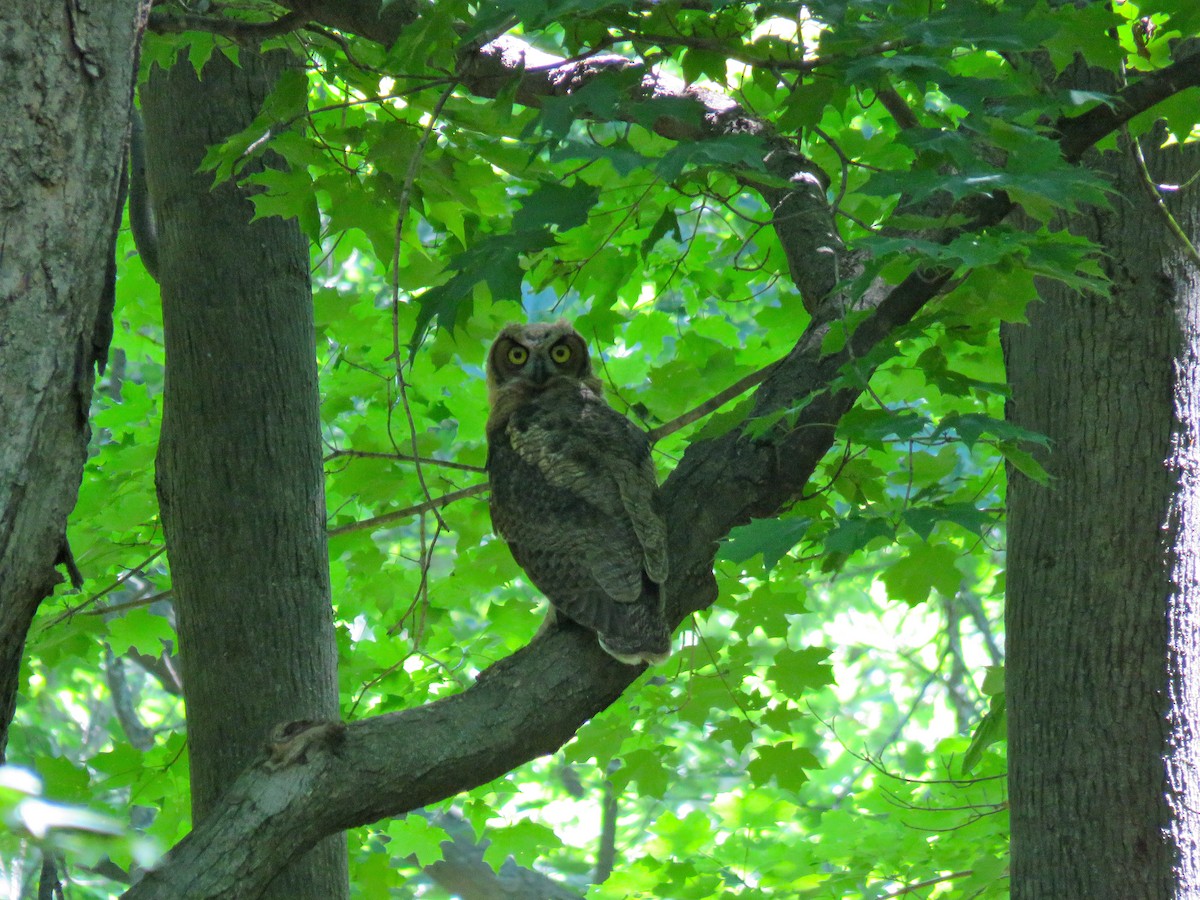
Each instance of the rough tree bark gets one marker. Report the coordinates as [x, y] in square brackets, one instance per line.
[66, 83]
[239, 468]
[1183, 535]
[1102, 587]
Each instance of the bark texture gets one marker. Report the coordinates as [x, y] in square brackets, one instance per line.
[1183, 530]
[66, 81]
[1113, 382]
[239, 468]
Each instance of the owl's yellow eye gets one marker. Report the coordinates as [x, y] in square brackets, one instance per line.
[560, 353]
[518, 355]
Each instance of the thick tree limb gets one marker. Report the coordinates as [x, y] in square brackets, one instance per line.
[792, 186]
[1081, 132]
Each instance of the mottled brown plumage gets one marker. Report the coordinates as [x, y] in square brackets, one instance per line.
[573, 490]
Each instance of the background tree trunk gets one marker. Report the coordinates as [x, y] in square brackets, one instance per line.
[239, 467]
[65, 88]
[1090, 591]
[1183, 528]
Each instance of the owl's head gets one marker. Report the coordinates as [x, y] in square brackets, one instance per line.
[526, 359]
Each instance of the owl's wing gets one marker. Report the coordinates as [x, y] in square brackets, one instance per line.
[639, 495]
[591, 450]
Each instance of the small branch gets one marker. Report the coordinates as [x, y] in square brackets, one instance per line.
[404, 457]
[921, 885]
[401, 383]
[708, 406]
[139, 569]
[728, 50]
[129, 604]
[49, 885]
[900, 111]
[606, 856]
[124, 704]
[163, 667]
[409, 511]
[1081, 132]
[1152, 192]
[975, 610]
[170, 23]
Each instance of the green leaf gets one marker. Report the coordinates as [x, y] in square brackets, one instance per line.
[1025, 463]
[806, 105]
[525, 842]
[698, 63]
[140, 630]
[873, 426]
[993, 681]
[647, 769]
[773, 538]
[971, 427]
[414, 836]
[797, 672]
[924, 566]
[553, 204]
[922, 519]
[666, 222]
[856, 531]
[733, 151]
[783, 764]
[686, 836]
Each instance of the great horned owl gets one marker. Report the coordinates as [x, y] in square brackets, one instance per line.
[573, 490]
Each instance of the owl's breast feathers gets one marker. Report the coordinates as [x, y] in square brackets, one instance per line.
[573, 493]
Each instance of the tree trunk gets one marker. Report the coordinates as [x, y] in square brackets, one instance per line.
[1183, 531]
[1100, 640]
[239, 466]
[66, 81]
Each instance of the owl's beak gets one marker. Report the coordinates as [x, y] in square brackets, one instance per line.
[539, 370]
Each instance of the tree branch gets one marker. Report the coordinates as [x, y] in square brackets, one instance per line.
[172, 22]
[791, 185]
[1081, 132]
[400, 514]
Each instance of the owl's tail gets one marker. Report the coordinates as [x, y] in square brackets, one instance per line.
[638, 633]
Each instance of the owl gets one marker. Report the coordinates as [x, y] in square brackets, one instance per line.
[573, 491]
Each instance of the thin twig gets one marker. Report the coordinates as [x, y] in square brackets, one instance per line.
[426, 546]
[409, 511]
[1172, 224]
[405, 193]
[139, 569]
[713, 403]
[404, 457]
[130, 604]
[920, 885]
